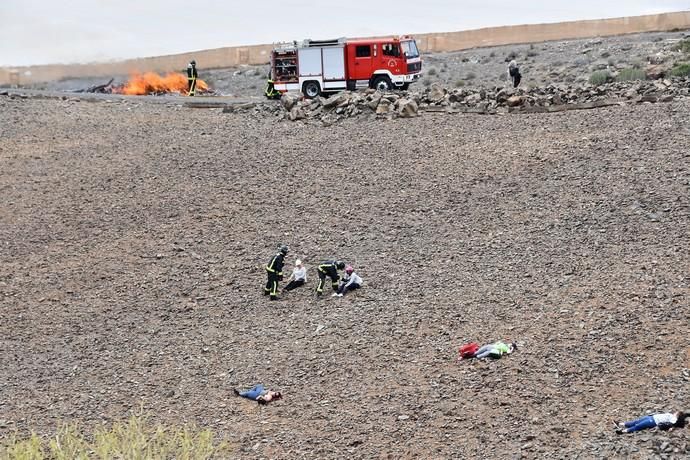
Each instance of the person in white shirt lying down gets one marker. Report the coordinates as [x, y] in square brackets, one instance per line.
[663, 421]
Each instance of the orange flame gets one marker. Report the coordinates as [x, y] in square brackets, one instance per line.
[149, 82]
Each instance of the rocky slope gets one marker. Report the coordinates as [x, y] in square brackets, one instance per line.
[133, 237]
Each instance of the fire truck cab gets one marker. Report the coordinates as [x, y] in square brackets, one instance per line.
[316, 67]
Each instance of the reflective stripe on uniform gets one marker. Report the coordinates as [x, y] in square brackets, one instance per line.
[269, 267]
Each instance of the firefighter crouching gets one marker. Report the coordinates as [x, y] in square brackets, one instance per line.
[191, 78]
[330, 269]
[270, 92]
[274, 270]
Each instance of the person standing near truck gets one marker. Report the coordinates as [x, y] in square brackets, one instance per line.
[192, 75]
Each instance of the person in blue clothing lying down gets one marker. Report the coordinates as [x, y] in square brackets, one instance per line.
[663, 421]
[259, 394]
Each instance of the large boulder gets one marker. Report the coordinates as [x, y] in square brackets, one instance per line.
[288, 100]
[503, 95]
[473, 99]
[436, 93]
[374, 102]
[514, 101]
[655, 72]
[384, 106]
[297, 113]
[336, 100]
[407, 108]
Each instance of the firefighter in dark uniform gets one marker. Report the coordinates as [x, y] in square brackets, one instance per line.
[274, 270]
[270, 92]
[191, 78]
[329, 269]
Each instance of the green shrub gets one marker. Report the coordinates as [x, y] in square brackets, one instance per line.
[631, 74]
[605, 54]
[599, 77]
[460, 83]
[431, 71]
[136, 438]
[681, 69]
[426, 81]
[470, 76]
[683, 45]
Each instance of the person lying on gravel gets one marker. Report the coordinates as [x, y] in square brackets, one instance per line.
[663, 421]
[495, 350]
[351, 281]
[259, 394]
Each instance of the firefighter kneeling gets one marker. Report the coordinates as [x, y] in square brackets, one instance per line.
[270, 92]
[330, 269]
[274, 270]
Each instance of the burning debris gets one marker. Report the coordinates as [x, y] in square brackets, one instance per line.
[149, 83]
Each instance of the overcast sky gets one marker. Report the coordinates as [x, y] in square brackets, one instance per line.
[66, 31]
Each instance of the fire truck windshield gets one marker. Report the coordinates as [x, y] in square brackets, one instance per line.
[409, 48]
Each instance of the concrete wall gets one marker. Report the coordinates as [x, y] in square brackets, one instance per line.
[435, 42]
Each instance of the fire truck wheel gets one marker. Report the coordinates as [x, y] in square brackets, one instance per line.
[311, 89]
[382, 83]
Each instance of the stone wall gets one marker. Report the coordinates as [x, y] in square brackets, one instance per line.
[434, 42]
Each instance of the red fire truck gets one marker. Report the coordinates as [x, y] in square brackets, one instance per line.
[316, 67]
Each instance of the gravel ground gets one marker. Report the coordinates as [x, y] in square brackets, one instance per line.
[133, 237]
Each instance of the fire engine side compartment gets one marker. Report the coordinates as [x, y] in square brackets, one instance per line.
[334, 64]
[309, 62]
[326, 65]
